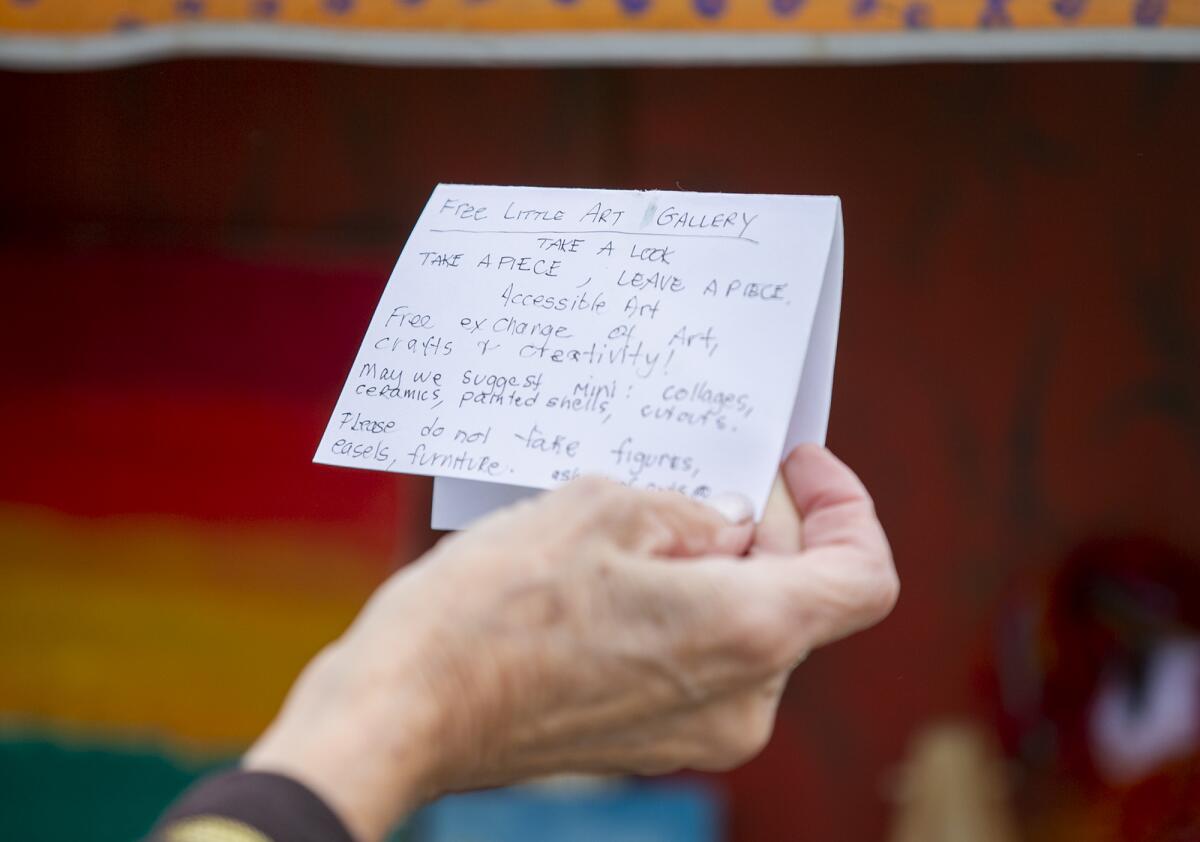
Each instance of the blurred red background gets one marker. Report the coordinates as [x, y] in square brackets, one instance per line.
[191, 250]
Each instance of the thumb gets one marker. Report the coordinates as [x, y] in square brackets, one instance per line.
[829, 557]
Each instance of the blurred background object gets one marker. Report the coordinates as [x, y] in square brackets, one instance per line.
[190, 249]
[578, 810]
[953, 788]
[1097, 679]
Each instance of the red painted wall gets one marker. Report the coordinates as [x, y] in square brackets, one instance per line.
[1019, 368]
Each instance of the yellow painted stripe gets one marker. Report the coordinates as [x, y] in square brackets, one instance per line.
[165, 628]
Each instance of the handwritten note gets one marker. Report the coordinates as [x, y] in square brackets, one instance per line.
[530, 335]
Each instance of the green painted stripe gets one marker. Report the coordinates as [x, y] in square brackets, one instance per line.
[85, 791]
[78, 792]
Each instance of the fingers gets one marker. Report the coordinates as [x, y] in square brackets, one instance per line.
[663, 523]
[821, 569]
[723, 526]
[676, 525]
[737, 727]
[720, 621]
[720, 733]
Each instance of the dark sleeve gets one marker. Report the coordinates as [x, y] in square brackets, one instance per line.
[249, 805]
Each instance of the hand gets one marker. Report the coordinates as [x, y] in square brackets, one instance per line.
[595, 629]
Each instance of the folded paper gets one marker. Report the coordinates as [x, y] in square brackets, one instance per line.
[530, 335]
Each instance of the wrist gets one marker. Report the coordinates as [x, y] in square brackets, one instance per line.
[365, 747]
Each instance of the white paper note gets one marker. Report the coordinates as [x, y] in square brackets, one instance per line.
[530, 335]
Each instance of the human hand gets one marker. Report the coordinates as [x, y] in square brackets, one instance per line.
[596, 629]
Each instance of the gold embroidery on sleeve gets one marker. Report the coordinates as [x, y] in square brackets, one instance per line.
[212, 829]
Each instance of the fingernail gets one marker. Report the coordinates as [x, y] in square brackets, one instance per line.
[734, 507]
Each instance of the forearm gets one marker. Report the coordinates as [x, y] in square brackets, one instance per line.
[365, 747]
[344, 761]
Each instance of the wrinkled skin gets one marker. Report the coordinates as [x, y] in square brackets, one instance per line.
[593, 629]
